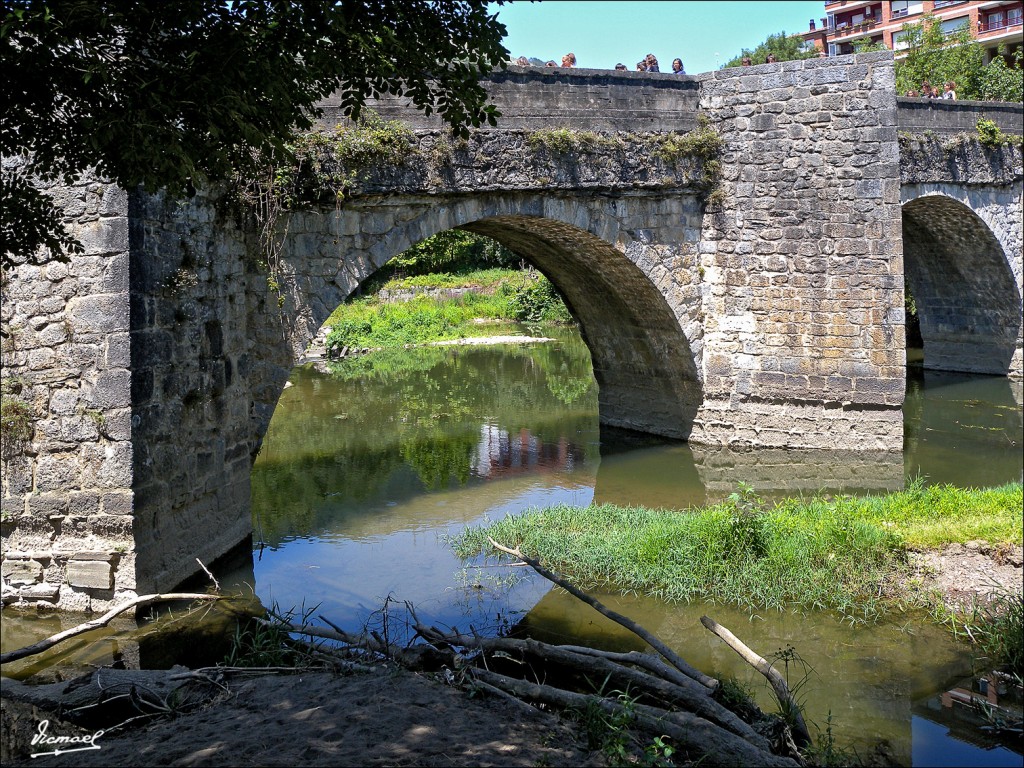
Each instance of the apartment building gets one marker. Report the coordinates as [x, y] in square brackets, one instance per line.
[877, 21]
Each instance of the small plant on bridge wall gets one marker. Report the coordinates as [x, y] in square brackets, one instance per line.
[15, 419]
[317, 166]
[564, 141]
[703, 144]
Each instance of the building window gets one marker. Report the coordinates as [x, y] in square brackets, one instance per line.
[899, 41]
[949, 26]
[1014, 16]
[900, 8]
[946, 3]
[994, 21]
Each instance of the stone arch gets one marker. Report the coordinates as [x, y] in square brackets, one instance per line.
[968, 300]
[643, 330]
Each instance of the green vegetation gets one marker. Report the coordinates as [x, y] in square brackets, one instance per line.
[847, 554]
[939, 57]
[15, 419]
[452, 259]
[443, 260]
[703, 143]
[162, 95]
[564, 141]
[998, 630]
[991, 135]
[784, 47]
[371, 322]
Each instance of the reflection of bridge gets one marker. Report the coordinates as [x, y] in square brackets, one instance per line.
[771, 316]
[501, 454]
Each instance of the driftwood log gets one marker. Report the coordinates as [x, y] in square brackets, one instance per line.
[664, 696]
[800, 733]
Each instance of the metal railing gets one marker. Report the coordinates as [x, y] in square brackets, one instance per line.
[992, 26]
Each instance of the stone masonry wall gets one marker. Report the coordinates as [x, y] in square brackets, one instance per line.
[536, 98]
[941, 116]
[804, 327]
[964, 241]
[67, 499]
[774, 318]
[195, 287]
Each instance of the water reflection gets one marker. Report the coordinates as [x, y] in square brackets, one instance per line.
[366, 468]
[368, 465]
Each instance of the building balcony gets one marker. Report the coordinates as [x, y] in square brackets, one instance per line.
[999, 26]
[842, 31]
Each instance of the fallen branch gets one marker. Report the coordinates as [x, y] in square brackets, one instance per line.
[669, 655]
[611, 667]
[800, 733]
[689, 731]
[138, 602]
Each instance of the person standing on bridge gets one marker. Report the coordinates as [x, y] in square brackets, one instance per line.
[569, 60]
[949, 90]
[677, 67]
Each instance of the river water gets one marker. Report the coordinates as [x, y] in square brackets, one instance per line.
[366, 470]
[370, 464]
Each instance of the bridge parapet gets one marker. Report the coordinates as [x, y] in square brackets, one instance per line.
[947, 116]
[536, 98]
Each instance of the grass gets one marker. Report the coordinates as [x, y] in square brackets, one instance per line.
[847, 554]
[997, 628]
[505, 295]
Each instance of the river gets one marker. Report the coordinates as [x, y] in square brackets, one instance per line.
[371, 463]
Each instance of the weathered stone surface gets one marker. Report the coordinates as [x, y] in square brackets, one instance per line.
[90, 574]
[772, 318]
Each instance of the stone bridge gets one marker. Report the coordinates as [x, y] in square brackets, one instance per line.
[751, 298]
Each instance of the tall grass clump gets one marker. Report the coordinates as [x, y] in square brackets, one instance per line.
[997, 628]
[816, 560]
[848, 554]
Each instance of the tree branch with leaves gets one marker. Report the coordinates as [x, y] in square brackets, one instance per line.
[176, 95]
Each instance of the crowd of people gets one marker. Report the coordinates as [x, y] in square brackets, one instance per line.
[928, 91]
[647, 64]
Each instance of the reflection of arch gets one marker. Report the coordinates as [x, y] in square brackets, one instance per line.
[613, 281]
[967, 298]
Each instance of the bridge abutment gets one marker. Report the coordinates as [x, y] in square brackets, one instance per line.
[770, 317]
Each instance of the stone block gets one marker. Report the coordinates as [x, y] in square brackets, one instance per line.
[90, 574]
[21, 572]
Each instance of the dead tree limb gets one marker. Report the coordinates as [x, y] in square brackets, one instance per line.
[138, 602]
[613, 668]
[778, 683]
[689, 731]
[669, 655]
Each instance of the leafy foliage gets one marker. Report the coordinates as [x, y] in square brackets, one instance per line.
[452, 252]
[173, 95]
[535, 300]
[784, 47]
[938, 57]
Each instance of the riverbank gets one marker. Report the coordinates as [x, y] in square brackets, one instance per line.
[392, 716]
[860, 556]
[442, 307]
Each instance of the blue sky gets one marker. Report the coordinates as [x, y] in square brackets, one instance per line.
[703, 34]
